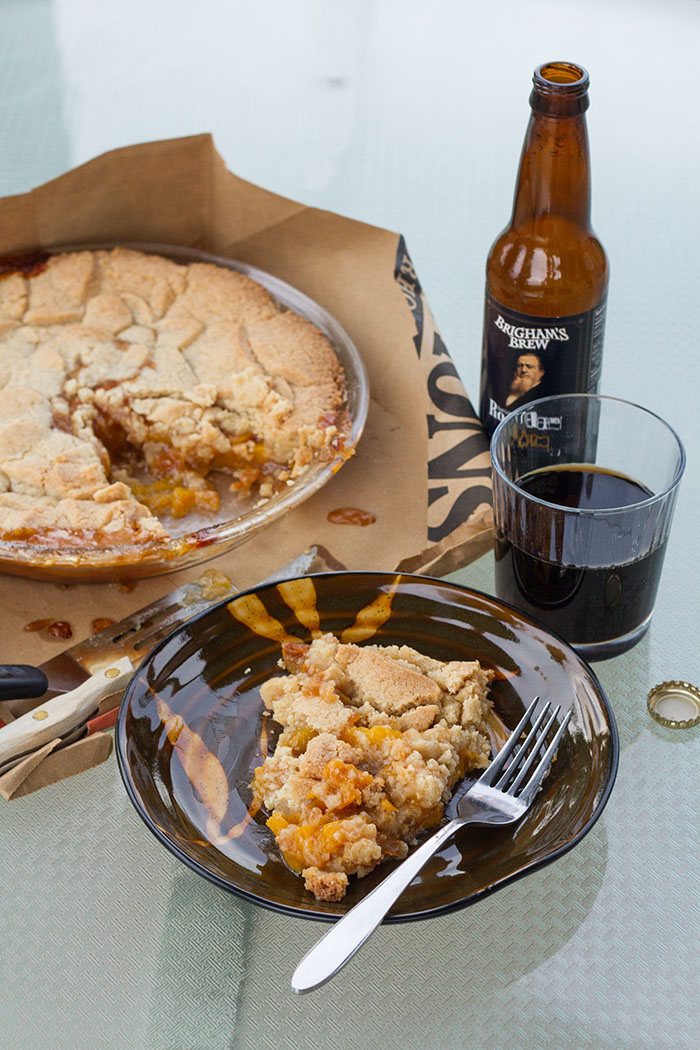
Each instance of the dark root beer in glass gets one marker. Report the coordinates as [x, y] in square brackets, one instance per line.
[579, 543]
[547, 273]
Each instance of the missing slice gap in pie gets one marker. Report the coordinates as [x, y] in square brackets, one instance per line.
[127, 378]
[373, 741]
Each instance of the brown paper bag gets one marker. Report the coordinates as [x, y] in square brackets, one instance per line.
[48, 766]
[422, 466]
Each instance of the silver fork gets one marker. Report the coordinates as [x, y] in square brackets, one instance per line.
[502, 795]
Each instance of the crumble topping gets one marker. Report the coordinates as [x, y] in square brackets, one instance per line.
[111, 361]
[373, 740]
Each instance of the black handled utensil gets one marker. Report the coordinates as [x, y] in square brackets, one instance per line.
[18, 681]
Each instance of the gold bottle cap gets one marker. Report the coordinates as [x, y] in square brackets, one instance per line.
[675, 705]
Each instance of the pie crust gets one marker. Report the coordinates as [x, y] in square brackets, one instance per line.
[127, 377]
[373, 741]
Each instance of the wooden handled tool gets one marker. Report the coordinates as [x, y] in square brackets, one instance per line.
[61, 714]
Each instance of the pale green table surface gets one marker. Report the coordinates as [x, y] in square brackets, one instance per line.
[408, 115]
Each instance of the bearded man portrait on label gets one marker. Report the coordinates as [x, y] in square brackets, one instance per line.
[526, 384]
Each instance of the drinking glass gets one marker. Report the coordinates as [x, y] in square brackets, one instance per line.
[584, 489]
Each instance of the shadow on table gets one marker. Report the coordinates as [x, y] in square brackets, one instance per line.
[439, 981]
[626, 683]
[515, 930]
[224, 967]
[203, 958]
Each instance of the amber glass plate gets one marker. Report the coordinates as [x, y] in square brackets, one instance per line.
[200, 689]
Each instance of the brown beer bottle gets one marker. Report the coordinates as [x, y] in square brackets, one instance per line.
[547, 273]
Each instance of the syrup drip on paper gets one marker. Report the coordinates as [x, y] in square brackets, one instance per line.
[351, 516]
[55, 628]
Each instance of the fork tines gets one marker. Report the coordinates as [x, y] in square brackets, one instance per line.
[514, 762]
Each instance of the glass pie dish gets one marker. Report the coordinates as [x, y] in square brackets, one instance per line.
[201, 535]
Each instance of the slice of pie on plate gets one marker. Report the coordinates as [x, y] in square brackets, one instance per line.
[374, 738]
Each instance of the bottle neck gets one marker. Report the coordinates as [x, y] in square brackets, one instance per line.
[554, 174]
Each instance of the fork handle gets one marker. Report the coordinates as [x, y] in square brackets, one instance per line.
[341, 942]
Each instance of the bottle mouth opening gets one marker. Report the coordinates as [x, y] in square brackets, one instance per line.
[561, 78]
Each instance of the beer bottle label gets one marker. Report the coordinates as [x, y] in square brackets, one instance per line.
[525, 358]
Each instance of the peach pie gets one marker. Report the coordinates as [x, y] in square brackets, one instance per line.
[373, 741]
[126, 378]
